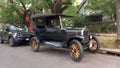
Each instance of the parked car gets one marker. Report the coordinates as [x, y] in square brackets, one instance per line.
[14, 34]
[52, 30]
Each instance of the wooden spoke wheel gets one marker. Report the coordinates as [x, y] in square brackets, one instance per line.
[94, 45]
[34, 43]
[76, 51]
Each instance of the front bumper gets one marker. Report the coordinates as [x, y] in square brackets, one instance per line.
[22, 39]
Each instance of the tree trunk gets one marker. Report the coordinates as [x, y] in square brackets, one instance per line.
[118, 22]
[56, 6]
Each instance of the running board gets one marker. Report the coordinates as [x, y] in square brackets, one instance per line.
[53, 44]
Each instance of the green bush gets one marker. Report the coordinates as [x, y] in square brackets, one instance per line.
[93, 18]
[79, 21]
[102, 27]
[94, 27]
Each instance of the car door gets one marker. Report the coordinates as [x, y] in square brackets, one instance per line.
[53, 30]
[59, 34]
[55, 34]
[49, 33]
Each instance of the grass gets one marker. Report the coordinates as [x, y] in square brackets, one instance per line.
[100, 27]
[107, 42]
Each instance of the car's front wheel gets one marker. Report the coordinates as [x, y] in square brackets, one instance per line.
[34, 43]
[1, 39]
[11, 42]
[94, 45]
[76, 50]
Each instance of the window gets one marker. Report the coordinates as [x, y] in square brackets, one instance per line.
[53, 22]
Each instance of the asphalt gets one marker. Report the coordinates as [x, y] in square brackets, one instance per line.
[23, 57]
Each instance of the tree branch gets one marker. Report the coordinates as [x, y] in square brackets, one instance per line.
[57, 2]
[33, 2]
[18, 12]
[23, 4]
[11, 1]
[51, 5]
[67, 3]
[63, 8]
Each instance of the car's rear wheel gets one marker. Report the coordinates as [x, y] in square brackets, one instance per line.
[94, 45]
[11, 42]
[1, 39]
[76, 51]
[34, 43]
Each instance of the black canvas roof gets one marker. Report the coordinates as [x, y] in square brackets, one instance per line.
[48, 15]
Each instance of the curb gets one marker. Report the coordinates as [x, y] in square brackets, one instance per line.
[106, 35]
[114, 52]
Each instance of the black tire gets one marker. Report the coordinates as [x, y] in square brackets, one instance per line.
[76, 50]
[11, 42]
[95, 45]
[1, 39]
[34, 43]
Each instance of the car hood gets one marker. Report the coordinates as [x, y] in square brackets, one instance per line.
[22, 32]
[76, 31]
[69, 29]
[14, 31]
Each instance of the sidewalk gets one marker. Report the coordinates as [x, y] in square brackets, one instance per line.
[115, 52]
[107, 35]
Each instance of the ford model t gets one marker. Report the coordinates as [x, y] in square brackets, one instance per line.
[52, 30]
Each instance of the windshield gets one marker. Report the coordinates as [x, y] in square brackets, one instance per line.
[18, 27]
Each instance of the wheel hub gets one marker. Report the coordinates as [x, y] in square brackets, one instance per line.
[75, 50]
[34, 43]
[93, 45]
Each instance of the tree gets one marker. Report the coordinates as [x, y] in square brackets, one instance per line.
[57, 6]
[107, 7]
[8, 14]
[16, 10]
[118, 22]
[22, 10]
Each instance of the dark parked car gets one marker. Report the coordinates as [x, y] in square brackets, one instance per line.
[14, 34]
[52, 30]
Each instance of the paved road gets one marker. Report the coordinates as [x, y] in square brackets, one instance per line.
[23, 57]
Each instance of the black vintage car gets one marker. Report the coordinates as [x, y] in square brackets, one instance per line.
[52, 30]
[14, 34]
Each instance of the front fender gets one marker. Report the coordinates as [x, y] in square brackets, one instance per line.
[79, 38]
